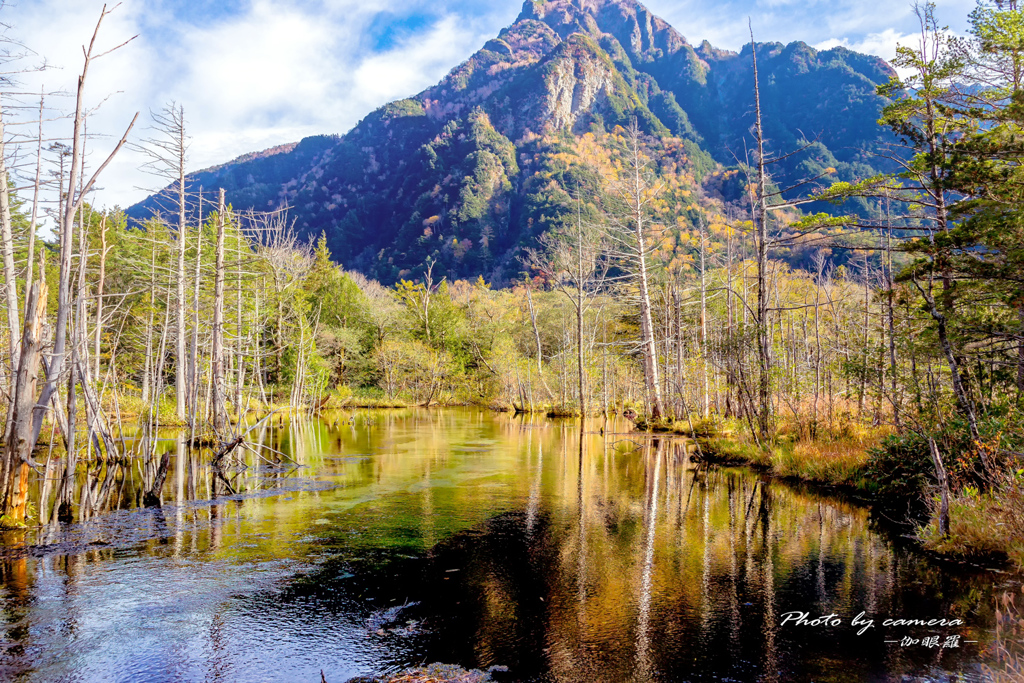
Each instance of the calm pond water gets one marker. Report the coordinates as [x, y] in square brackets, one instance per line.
[404, 537]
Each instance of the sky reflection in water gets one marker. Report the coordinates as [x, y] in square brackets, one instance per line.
[478, 539]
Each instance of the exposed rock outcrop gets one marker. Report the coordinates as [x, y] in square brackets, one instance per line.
[467, 171]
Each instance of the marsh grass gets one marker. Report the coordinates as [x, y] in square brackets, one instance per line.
[837, 455]
[694, 427]
[1008, 646]
[840, 462]
[982, 523]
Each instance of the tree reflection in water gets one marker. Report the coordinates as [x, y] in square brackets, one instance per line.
[523, 542]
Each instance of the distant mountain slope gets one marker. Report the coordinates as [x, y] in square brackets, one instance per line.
[474, 168]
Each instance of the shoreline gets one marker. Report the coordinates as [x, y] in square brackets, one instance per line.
[721, 449]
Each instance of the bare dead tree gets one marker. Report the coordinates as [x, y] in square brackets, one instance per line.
[575, 260]
[217, 348]
[167, 154]
[289, 260]
[71, 207]
[7, 249]
[18, 451]
[629, 227]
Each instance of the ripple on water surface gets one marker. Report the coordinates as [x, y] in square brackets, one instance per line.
[479, 540]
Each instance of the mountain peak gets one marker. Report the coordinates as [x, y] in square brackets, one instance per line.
[635, 27]
[476, 167]
[539, 9]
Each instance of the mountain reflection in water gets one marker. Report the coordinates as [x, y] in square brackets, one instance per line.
[478, 539]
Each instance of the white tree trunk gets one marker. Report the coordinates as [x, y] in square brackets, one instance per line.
[180, 367]
[218, 389]
[7, 244]
[637, 204]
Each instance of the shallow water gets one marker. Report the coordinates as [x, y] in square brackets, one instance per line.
[460, 536]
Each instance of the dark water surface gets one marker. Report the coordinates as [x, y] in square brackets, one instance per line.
[477, 539]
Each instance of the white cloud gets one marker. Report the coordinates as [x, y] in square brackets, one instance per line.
[271, 71]
[881, 44]
[724, 23]
[247, 71]
[408, 68]
[269, 75]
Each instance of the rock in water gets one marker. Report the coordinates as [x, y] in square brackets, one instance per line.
[434, 673]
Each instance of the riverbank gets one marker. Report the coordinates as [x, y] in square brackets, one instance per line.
[877, 466]
[836, 460]
[464, 536]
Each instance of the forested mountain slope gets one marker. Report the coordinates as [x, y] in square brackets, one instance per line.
[474, 168]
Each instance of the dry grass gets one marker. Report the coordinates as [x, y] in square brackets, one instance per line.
[840, 420]
[833, 450]
[836, 456]
[834, 462]
[695, 427]
[1008, 648]
[980, 524]
[132, 407]
[737, 449]
[335, 403]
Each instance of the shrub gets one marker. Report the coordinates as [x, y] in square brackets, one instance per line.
[900, 469]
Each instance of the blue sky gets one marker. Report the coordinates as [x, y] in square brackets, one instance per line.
[256, 73]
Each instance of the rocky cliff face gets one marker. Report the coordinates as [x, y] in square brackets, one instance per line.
[578, 81]
[474, 168]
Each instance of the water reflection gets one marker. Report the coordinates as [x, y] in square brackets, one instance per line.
[381, 540]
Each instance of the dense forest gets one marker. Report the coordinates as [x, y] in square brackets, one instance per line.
[881, 350]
